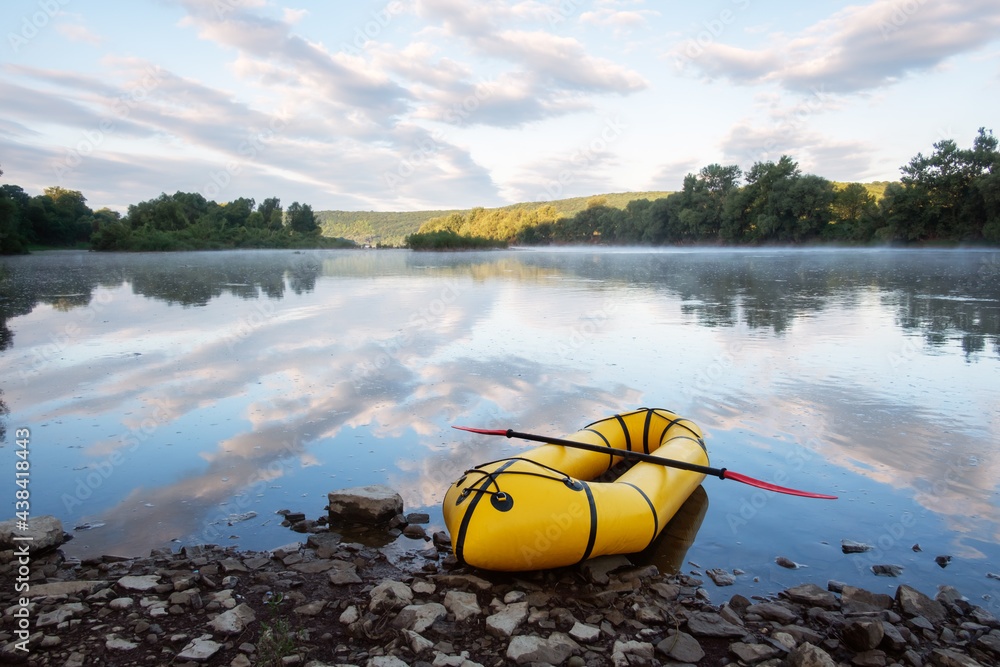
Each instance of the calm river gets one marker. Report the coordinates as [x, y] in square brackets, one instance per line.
[170, 395]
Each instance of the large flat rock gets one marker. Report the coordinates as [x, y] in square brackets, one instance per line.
[372, 504]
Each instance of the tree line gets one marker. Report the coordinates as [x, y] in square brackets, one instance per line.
[182, 221]
[950, 196]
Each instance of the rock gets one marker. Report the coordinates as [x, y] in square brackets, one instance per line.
[54, 617]
[859, 601]
[862, 634]
[313, 566]
[66, 588]
[774, 611]
[463, 581]
[642, 651]
[914, 603]
[462, 604]
[350, 615]
[503, 623]
[233, 621]
[313, 608]
[809, 655]
[584, 633]
[385, 661]
[199, 650]
[814, 596]
[721, 577]
[144, 583]
[343, 573]
[597, 569]
[389, 596]
[415, 532]
[553, 650]
[418, 644]
[682, 647]
[787, 563]
[373, 504]
[852, 547]
[990, 641]
[872, 658]
[45, 532]
[887, 570]
[419, 617]
[708, 624]
[754, 653]
[116, 643]
[946, 657]
[942, 560]
[892, 638]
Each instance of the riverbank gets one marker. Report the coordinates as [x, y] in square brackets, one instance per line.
[323, 601]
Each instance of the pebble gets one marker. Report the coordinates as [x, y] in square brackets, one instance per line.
[604, 612]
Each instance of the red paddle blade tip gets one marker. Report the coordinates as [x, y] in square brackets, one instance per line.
[729, 474]
[480, 430]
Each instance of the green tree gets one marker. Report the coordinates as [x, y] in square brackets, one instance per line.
[13, 239]
[301, 219]
[951, 191]
[268, 208]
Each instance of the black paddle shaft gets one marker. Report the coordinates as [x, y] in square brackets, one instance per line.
[625, 453]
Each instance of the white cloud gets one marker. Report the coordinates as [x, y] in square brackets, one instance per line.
[858, 48]
[293, 16]
[79, 33]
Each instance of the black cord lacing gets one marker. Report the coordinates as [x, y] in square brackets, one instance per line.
[492, 475]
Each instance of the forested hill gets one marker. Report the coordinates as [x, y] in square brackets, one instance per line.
[391, 227]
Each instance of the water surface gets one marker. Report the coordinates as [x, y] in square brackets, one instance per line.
[170, 395]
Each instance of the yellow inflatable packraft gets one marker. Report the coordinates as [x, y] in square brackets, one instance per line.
[538, 510]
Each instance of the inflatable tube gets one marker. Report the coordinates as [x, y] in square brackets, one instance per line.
[539, 510]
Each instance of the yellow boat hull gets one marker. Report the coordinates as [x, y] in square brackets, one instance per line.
[538, 510]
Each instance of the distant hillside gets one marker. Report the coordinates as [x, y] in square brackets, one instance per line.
[391, 227]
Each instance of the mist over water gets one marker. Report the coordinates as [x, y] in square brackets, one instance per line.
[169, 396]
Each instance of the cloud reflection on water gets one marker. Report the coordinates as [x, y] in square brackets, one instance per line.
[265, 369]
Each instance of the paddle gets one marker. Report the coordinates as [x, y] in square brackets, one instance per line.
[721, 473]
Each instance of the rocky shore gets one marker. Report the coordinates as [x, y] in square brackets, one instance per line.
[324, 601]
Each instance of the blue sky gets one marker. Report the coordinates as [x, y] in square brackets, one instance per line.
[431, 104]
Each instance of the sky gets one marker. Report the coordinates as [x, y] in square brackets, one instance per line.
[438, 104]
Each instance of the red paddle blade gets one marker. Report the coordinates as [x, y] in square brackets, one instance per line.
[480, 430]
[729, 474]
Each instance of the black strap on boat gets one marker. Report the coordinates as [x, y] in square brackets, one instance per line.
[490, 478]
[652, 508]
[459, 544]
[592, 538]
[611, 461]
